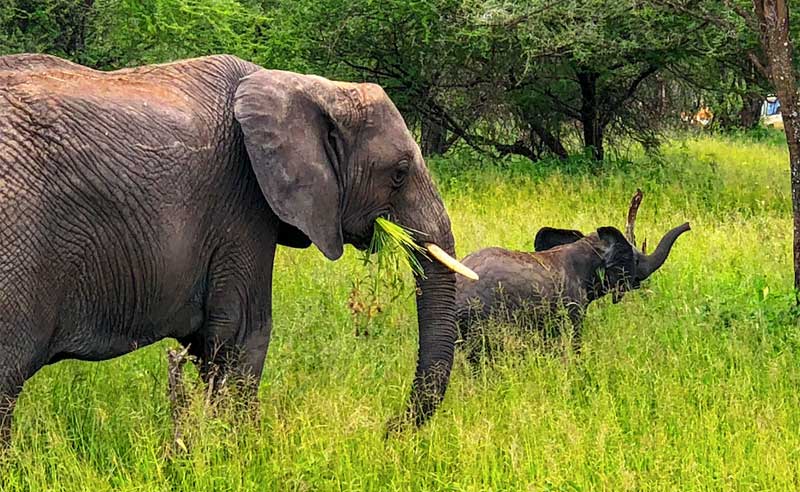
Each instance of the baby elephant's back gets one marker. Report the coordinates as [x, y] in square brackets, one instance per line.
[508, 280]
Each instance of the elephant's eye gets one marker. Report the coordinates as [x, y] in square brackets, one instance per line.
[400, 174]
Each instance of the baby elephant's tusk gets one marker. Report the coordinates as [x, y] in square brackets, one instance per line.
[450, 262]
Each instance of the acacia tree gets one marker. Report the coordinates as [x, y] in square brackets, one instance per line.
[599, 55]
[56, 26]
[724, 76]
[771, 20]
[773, 57]
[507, 77]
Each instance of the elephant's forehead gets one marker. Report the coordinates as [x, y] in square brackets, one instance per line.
[368, 93]
[369, 100]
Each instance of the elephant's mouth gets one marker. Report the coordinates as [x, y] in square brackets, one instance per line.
[360, 234]
[361, 237]
[362, 240]
[361, 243]
[432, 250]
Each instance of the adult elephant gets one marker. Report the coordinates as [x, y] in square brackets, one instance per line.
[147, 203]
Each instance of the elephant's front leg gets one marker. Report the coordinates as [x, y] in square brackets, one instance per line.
[575, 324]
[231, 365]
[232, 344]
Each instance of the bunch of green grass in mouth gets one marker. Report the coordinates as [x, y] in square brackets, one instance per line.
[393, 244]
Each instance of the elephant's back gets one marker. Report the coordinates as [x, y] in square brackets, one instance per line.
[133, 142]
[36, 62]
[214, 69]
[495, 265]
[507, 280]
[85, 140]
[46, 90]
[62, 100]
[138, 127]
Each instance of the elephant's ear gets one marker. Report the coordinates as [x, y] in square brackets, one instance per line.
[549, 237]
[619, 261]
[288, 125]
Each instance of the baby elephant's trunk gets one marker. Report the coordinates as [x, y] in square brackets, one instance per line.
[652, 262]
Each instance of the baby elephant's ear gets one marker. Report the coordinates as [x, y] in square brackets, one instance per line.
[619, 262]
[549, 237]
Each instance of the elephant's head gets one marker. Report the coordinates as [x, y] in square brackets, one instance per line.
[330, 158]
[617, 265]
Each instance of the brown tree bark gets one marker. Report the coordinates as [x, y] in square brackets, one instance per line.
[772, 17]
[590, 115]
[434, 138]
[550, 140]
[750, 113]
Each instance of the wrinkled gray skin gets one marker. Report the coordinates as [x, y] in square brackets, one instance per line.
[566, 273]
[147, 203]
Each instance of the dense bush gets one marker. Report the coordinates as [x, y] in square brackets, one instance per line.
[110, 34]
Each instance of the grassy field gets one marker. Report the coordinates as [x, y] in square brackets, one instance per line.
[688, 384]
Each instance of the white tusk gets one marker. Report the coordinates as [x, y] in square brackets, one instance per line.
[450, 262]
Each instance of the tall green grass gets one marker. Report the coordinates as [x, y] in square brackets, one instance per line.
[690, 383]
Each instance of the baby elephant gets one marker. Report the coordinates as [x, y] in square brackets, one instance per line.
[566, 273]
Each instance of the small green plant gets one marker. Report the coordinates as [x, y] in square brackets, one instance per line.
[392, 249]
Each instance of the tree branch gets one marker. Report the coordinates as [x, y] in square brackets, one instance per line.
[612, 106]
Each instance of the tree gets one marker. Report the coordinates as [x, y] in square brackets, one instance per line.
[726, 77]
[109, 34]
[57, 26]
[772, 55]
[590, 60]
[772, 23]
[526, 78]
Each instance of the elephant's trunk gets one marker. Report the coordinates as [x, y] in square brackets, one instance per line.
[650, 263]
[422, 211]
[437, 337]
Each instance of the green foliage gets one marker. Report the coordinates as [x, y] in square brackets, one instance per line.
[130, 32]
[761, 134]
[535, 79]
[688, 384]
[110, 34]
[526, 78]
[56, 26]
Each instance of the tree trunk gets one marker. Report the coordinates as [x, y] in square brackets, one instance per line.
[73, 38]
[792, 127]
[663, 102]
[750, 114]
[773, 21]
[552, 142]
[590, 115]
[434, 138]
